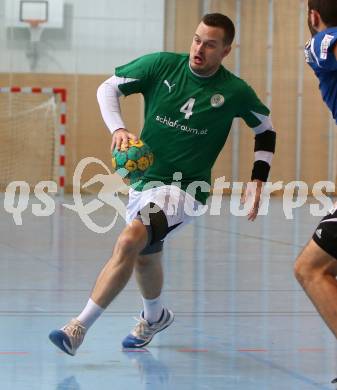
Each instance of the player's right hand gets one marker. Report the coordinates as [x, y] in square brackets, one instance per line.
[121, 138]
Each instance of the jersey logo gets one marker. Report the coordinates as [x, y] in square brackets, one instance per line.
[217, 100]
[319, 233]
[168, 85]
[325, 44]
[334, 208]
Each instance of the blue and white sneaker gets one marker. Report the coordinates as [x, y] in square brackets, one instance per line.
[70, 337]
[143, 332]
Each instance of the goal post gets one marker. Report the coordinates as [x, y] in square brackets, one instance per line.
[32, 135]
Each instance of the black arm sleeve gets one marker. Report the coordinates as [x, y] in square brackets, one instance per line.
[265, 141]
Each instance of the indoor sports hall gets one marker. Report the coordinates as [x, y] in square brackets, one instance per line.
[242, 320]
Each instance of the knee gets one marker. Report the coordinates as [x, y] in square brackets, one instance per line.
[301, 270]
[308, 269]
[130, 242]
[125, 244]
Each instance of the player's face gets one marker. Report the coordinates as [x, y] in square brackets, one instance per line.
[208, 49]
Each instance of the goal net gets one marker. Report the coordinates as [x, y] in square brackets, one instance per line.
[30, 142]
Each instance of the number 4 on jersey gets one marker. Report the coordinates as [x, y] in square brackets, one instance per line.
[187, 108]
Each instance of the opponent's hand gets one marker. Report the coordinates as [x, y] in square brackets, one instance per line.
[253, 190]
[121, 137]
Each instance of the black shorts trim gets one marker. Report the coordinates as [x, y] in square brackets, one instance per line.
[152, 249]
[155, 221]
[325, 235]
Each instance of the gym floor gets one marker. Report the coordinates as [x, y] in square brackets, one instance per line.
[241, 319]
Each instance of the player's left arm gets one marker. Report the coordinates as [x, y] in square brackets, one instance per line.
[264, 150]
[257, 117]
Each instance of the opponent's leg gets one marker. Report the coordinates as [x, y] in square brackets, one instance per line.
[109, 283]
[316, 271]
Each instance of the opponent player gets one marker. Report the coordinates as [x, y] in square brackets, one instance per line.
[190, 103]
[316, 266]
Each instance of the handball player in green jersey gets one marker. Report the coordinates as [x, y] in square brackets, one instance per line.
[190, 103]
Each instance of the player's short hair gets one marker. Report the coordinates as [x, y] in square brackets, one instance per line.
[222, 21]
[327, 10]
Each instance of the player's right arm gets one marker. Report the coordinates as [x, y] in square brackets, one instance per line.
[121, 137]
[134, 77]
[108, 95]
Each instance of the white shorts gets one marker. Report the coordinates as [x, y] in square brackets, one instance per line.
[178, 206]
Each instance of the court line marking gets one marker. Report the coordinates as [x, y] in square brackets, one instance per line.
[245, 235]
[253, 350]
[192, 350]
[291, 373]
[30, 256]
[133, 290]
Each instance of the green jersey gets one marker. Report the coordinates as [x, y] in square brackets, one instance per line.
[187, 117]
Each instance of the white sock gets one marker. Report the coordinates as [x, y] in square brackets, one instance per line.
[153, 309]
[90, 314]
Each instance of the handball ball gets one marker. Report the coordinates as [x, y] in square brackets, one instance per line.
[135, 158]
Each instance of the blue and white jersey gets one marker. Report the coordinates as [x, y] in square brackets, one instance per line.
[319, 55]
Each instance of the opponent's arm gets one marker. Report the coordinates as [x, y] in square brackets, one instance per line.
[108, 95]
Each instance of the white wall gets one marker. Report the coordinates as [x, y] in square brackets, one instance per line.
[97, 36]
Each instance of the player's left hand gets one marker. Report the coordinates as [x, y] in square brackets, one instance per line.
[253, 190]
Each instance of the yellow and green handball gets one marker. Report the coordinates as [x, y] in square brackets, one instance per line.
[135, 158]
